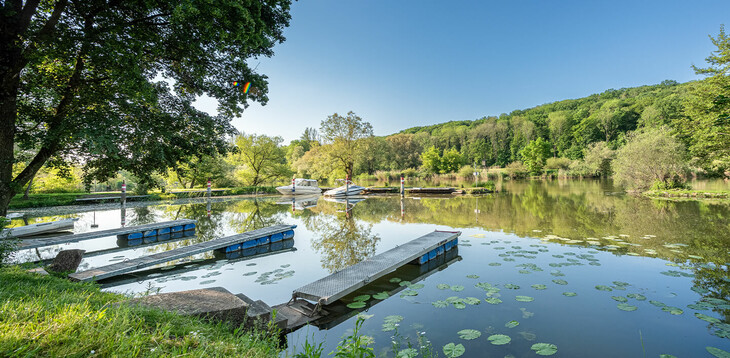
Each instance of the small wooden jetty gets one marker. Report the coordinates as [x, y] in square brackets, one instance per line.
[430, 190]
[333, 287]
[383, 190]
[119, 268]
[132, 231]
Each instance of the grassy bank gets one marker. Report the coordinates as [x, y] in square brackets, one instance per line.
[60, 199]
[50, 316]
[689, 193]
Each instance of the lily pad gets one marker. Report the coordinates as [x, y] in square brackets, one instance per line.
[393, 319]
[451, 350]
[472, 301]
[620, 283]
[544, 349]
[538, 286]
[700, 290]
[620, 298]
[407, 353]
[404, 283]
[381, 296]
[443, 286]
[499, 339]
[440, 304]
[512, 324]
[493, 300]
[666, 356]
[472, 276]
[457, 288]
[469, 334]
[407, 293]
[417, 286]
[362, 298]
[657, 303]
[707, 318]
[395, 280]
[524, 298]
[673, 310]
[636, 296]
[717, 352]
[603, 288]
[495, 264]
[460, 305]
[560, 282]
[512, 286]
[356, 305]
[626, 307]
[570, 294]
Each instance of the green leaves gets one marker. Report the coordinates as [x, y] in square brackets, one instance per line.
[452, 351]
[524, 298]
[512, 324]
[381, 296]
[493, 300]
[626, 307]
[544, 349]
[499, 339]
[469, 334]
[356, 305]
[390, 323]
[717, 352]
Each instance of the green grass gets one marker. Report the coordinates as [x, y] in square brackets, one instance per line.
[50, 316]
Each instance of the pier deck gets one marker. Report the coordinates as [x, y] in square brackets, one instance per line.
[333, 287]
[49, 241]
[119, 268]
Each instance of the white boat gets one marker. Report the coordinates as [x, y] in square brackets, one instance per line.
[41, 228]
[300, 187]
[349, 189]
[300, 202]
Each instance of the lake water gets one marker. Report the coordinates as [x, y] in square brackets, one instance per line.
[576, 264]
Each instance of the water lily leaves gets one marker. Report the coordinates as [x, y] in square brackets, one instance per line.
[569, 294]
[700, 290]
[393, 319]
[381, 296]
[657, 303]
[483, 285]
[495, 264]
[538, 286]
[626, 307]
[407, 293]
[493, 300]
[395, 280]
[524, 271]
[457, 288]
[509, 259]
[512, 286]
[620, 298]
[524, 298]
[620, 283]
[673, 310]
[206, 282]
[701, 306]
[472, 301]
[440, 304]
[472, 276]
[443, 286]
[452, 351]
[452, 299]
[362, 298]
[544, 349]
[636, 296]
[560, 282]
[407, 353]
[460, 305]
[557, 273]
[404, 283]
[603, 288]
[417, 286]
[356, 305]
[717, 352]
[512, 324]
[666, 356]
[706, 318]
[469, 334]
[499, 339]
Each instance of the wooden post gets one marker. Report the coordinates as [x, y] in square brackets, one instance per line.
[347, 184]
[402, 185]
[208, 188]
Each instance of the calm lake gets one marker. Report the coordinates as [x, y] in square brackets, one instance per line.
[575, 264]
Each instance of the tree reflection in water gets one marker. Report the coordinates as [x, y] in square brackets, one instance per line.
[341, 240]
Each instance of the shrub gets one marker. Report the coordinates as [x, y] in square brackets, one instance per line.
[466, 172]
[651, 158]
[558, 163]
[410, 173]
[516, 170]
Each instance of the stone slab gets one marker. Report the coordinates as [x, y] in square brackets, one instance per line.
[215, 304]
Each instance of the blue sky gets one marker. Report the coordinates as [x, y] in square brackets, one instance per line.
[399, 64]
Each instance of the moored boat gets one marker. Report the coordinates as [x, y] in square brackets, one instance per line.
[349, 189]
[300, 186]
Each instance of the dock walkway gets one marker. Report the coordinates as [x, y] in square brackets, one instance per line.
[49, 241]
[333, 287]
[119, 268]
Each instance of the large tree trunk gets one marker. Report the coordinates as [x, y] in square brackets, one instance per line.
[8, 116]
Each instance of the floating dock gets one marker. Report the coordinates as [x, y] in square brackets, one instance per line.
[131, 231]
[430, 190]
[119, 268]
[333, 287]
